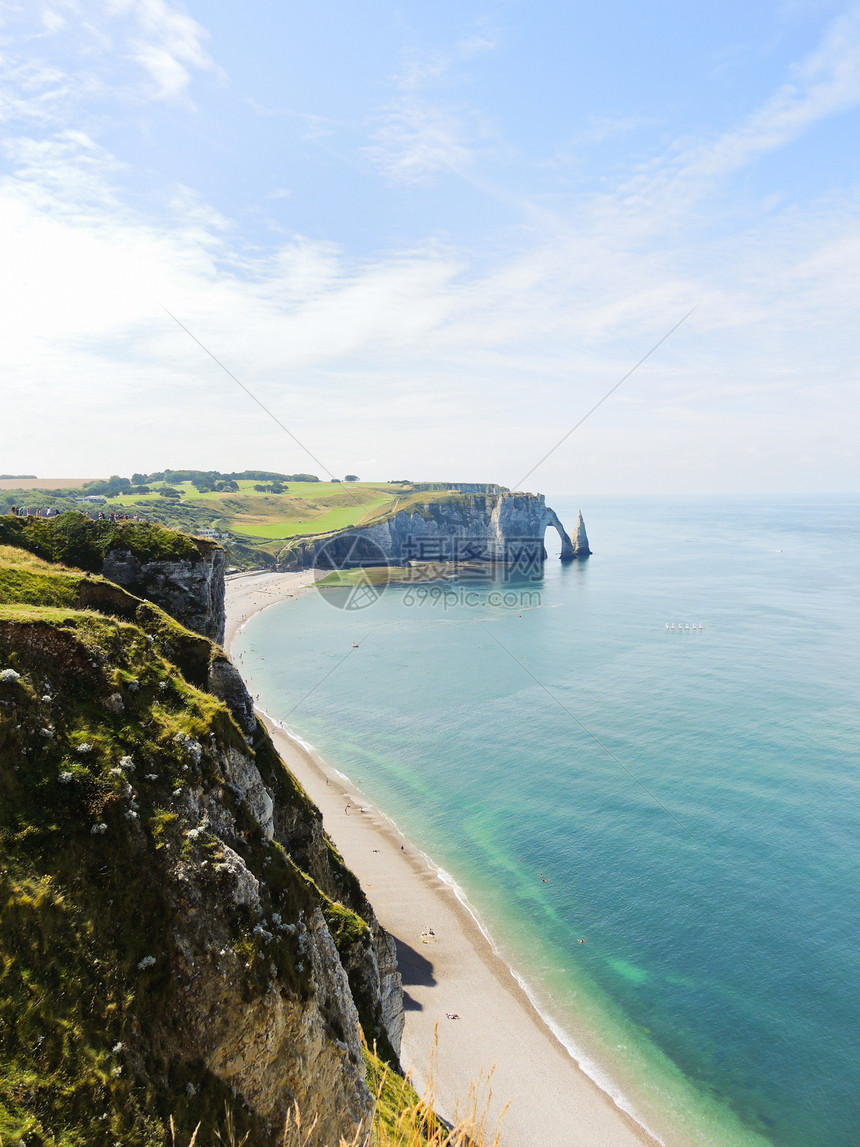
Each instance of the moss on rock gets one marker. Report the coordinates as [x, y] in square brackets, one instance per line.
[165, 941]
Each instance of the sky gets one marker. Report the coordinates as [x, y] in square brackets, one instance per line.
[427, 239]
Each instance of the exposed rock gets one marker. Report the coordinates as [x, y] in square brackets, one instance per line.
[245, 886]
[580, 538]
[184, 575]
[226, 682]
[191, 591]
[258, 1054]
[505, 527]
[188, 892]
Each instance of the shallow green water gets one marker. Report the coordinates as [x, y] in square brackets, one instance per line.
[692, 797]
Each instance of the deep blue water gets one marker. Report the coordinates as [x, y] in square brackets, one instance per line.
[693, 797]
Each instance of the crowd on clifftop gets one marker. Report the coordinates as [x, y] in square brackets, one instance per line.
[95, 515]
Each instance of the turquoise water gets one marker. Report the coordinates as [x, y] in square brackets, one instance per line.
[693, 798]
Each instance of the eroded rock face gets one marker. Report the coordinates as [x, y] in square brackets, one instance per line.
[505, 527]
[225, 681]
[178, 852]
[276, 1052]
[580, 538]
[191, 591]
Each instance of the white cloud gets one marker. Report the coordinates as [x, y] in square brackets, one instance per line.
[168, 44]
[431, 352]
[415, 140]
[826, 83]
[316, 127]
[56, 65]
[415, 137]
[416, 348]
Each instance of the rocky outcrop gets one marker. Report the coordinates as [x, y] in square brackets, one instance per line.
[507, 528]
[193, 937]
[567, 551]
[190, 590]
[225, 681]
[580, 539]
[184, 575]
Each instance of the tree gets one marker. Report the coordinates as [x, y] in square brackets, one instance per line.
[352, 477]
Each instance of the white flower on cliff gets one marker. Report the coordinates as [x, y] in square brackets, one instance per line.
[117, 1048]
[126, 763]
[146, 962]
[9, 675]
[64, 778]
[193, 748]
[84, 748]
[98, 829]
[116, 1072]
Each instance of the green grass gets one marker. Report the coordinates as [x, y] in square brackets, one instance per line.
[336, 519]
[91, 1045]
[79, 910]
[83, 1030]
[79, 541]
[306, 491]
[372, 575]
[261, 520]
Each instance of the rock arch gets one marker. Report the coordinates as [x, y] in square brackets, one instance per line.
[571, 549]
[551, 518]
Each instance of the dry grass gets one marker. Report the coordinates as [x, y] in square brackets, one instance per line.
[401, 1118]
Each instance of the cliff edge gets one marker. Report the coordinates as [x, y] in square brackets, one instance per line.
[502, 527]
[184, 575]
[178, 937]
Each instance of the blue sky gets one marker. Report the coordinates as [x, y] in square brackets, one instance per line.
[431, 237]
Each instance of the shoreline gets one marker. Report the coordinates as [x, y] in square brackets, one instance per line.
[449, 962]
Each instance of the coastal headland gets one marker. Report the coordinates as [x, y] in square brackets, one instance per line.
[469, 1023]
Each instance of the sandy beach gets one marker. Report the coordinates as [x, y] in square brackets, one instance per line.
[448, 965]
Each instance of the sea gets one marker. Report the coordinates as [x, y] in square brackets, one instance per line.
[643, 773]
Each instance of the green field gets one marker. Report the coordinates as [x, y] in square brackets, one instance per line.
[336, 519]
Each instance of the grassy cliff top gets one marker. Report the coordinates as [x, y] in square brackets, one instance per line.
[257, 521]
[76, 540]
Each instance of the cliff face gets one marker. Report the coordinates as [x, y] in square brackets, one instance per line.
[184, 575]
[177, 933]
[505, 527]
[189, 589]
[580, 538]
